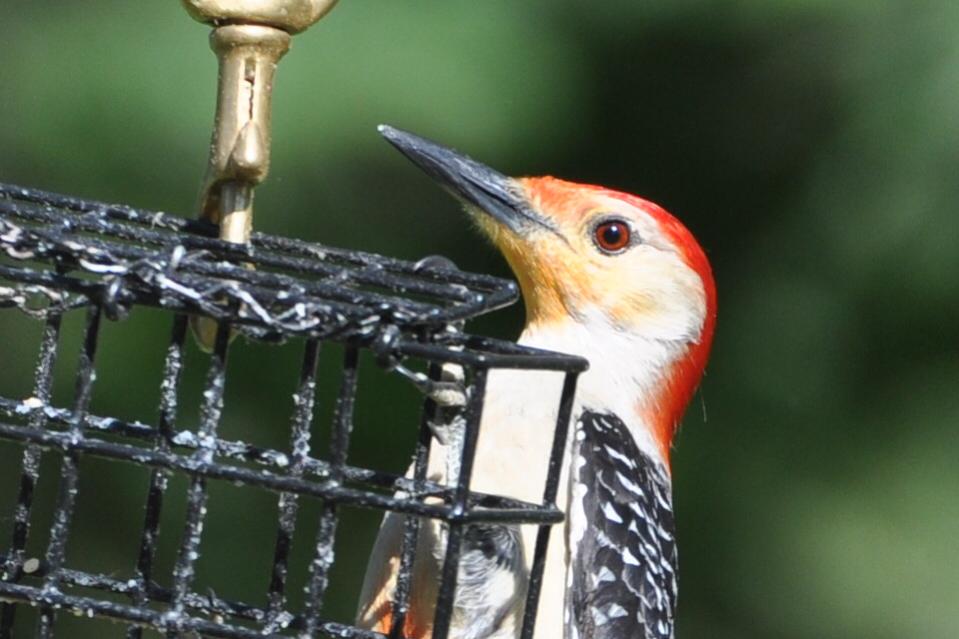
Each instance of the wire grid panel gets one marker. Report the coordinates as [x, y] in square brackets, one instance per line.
[61, 256]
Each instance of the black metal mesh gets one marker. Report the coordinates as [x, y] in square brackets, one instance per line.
[62, 255]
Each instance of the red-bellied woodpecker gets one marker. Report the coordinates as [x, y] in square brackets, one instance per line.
[618, 280]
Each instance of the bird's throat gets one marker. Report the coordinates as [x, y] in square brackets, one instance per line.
[643, 381]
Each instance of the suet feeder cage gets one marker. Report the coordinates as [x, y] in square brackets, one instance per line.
[62, 257]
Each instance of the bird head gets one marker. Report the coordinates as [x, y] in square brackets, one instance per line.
[621, 278]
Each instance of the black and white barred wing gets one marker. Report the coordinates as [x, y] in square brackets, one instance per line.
[622, 570]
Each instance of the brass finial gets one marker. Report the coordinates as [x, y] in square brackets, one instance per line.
[291, 16]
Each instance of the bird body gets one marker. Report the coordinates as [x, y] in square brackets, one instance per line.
[619, 281]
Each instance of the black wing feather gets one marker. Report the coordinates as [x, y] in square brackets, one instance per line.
[623, 570]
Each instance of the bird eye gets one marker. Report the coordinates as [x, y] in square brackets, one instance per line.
[612, 236]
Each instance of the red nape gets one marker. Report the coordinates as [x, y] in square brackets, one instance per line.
[685, 375]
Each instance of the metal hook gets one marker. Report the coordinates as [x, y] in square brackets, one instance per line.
[249, 38]
[240, 149]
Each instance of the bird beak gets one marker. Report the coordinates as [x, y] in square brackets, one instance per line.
[495, 194]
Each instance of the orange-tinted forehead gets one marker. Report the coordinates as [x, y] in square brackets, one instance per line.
[569, 201]
[564, 201]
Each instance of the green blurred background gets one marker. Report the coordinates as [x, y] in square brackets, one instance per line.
[812, 146]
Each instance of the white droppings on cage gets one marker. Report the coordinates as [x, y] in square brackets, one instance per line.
[168, 385]
[29, 404]
[38, 301]
[171, 619]
[323, 559]
[176, 256]
[281, 621]
[301, 441]
[10, 236]
[252, 307]
[84, 580]
[165, 282]
[22, 511]
[76, 246]
[111, 269]
[276, 458]
[50, 589]
[185, 438]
